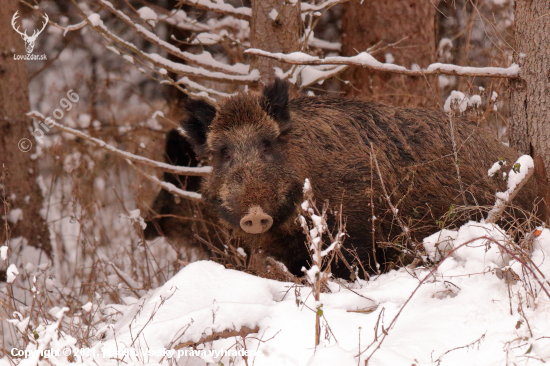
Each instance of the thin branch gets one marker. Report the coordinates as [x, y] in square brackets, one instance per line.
[193, 196]
[192, 171]
[66, 29]
[161, 62]
[199, 60]
[366, 60]
[394, 210]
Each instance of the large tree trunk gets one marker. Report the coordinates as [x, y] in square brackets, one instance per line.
[529, 127]
[19, 171]
[281, 34]
[388, 21]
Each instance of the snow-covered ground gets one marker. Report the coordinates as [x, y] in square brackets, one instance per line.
[476, 306]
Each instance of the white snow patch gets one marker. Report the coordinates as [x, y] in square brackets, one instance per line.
[241, 252]
[456, 99]
[496, 167]
[12, 273]
[88, 307]
[4, 252]
[148, 15]
[445, 42]
[516, 175]
[113, 49]
[475, 101]
[443, 81]
[157, 114]
[95, 19]
[134, 216]
[273, 14]
[15, 215]
[128, 58]
[332, 355]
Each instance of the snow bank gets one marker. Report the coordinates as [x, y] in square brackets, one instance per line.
[460, 314]
[464, 310]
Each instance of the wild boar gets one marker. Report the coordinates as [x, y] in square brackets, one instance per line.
[262, 147]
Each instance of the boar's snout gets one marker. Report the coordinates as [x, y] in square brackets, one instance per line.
[257, 221]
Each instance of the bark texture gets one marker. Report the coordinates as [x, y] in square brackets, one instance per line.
[388, 21]
[529, 126]
[19, 171]
[281, 34]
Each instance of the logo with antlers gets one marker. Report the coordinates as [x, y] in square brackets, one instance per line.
[29, 40]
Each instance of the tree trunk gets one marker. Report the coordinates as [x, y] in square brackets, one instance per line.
[529, 127]
[275, 27]
[384, 22]
[19, 172]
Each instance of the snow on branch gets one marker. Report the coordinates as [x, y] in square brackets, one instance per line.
[366, 60]
[184, 70]
[204, 59]
[201, 171]
[240, 13]
[305, 7]
[321, 43]
[308, 75]
[201, 88]
[518, 176]
[245, 13]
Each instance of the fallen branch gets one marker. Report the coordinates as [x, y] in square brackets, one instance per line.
[366, 60]
[228, 333]
[180, 170]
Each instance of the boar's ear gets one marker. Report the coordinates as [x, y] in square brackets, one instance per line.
[200, 115]
[275, 101]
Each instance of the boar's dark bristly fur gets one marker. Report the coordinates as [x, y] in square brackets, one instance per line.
[263, 146]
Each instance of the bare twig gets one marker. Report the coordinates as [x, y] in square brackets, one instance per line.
[455, 152]
[394, 210]
[193, 196]
[192, 171]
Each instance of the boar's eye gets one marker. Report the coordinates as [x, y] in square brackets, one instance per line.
[266, 146]
[225, 154]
